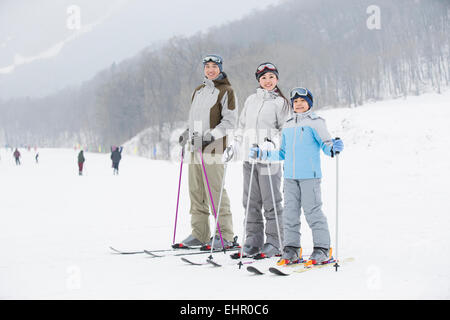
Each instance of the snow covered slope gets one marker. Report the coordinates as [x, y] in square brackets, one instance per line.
[56, 227]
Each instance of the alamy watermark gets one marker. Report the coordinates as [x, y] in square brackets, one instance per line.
[373, 22]
[73, 21]
[73, 280]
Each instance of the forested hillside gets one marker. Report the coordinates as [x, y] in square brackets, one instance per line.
[325, 45]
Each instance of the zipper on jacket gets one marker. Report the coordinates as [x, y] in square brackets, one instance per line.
[293, 151]
[293, 148]
[256, 123]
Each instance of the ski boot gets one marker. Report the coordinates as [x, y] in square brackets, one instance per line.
[268, 251]
[291, 255]
[217, 244]
[320, 256]
[249, 251]
[190, 241]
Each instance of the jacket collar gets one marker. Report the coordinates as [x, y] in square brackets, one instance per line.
[301, 116]
[266, 94]
[220, 80]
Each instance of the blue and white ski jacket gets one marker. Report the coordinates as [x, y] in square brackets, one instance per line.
[303, 136]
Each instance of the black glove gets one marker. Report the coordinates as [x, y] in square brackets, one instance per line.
[198, 141]
[207, 139]
[184, 138]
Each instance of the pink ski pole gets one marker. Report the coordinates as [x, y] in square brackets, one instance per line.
[212, 202]
[178, 196]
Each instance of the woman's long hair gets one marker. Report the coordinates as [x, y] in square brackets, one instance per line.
[278, 90]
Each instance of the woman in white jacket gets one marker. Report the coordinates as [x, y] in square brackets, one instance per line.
[263, 116]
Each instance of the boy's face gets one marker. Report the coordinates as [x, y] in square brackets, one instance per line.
[300, 105]
[211, 70]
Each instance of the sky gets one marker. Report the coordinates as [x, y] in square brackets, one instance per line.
[101, 31]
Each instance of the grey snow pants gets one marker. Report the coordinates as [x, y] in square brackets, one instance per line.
[261, 197]
[306, 194]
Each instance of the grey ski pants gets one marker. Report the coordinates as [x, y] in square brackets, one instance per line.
[261, 197]
[306, 194]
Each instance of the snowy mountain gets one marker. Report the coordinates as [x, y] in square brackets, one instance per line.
[394, 219]
[41, 54]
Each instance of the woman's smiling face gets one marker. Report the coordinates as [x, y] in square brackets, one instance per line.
[268, 81]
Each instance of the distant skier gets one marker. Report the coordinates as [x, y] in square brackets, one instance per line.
[81, 160]
[36, 157]
[116, 156]
[17, 156]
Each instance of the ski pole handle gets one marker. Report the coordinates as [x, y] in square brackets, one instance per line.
[268, 140]
[228, 154]
[255, 145]
[337, 138]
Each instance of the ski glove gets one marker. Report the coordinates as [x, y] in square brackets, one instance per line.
[201, 142]
[184, 138]
[207, 139]
[337, 147]
[257, 153]
[268, 145]
[228, 154]
[254, 153]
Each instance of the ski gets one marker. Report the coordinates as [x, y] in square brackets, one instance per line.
[212, 262]
[125, 252]
[208, 261]
[175, 247]
[204, 252]
[198, 250]
[154, 255]
[282, 271]
[254, 270]
[305, 267]
[318, 266]
[177, 253]
[278, 271]
[193, 262]
[171, 252]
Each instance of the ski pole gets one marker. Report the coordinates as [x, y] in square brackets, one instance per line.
[178, 196]
[336, 265]
[216, 220]
[273, 199]
[212, 201]
[246, 210]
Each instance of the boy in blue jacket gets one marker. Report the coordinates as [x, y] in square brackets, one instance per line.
[303, 136]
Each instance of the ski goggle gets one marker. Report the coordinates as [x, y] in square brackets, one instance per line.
[302, 92]
[266, 66]
[212, 58]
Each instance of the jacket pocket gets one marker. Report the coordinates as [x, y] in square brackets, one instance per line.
[312, 167]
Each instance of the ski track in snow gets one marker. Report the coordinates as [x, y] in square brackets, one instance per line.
[56, 227]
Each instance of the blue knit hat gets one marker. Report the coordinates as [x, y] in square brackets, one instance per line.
[213, 58]
[302, 93]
